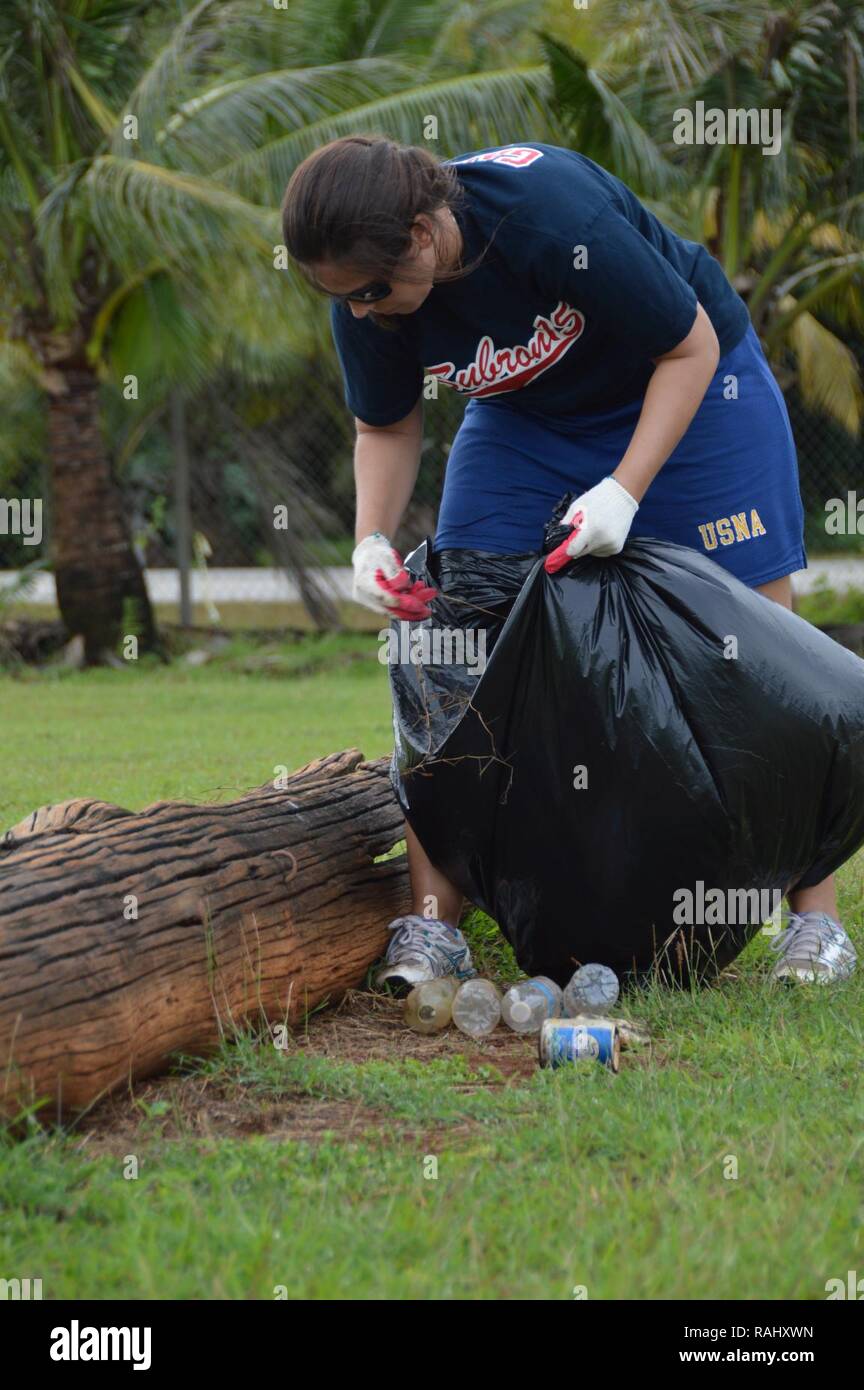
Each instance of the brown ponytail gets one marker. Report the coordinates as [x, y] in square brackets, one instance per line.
[355, 200]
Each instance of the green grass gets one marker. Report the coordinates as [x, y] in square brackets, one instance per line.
[824, 606]
[820, 542]
[576, 1178]
[209, 733]
[618, 1183]
[246, 614]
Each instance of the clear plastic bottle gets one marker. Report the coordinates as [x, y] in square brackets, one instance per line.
[429, 1006]
[477, 1008]
[592, 990]
[527, 1005]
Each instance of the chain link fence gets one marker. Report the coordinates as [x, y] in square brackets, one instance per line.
[830, 464]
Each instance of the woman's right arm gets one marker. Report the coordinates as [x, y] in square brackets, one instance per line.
[386, 463]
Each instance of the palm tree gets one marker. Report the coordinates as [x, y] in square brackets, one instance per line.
[788, 229]
[143, 155]
[48, 113]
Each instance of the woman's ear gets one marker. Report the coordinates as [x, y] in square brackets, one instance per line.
[421, 231]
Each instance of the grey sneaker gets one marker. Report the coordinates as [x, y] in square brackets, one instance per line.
[424, 948]
[813, 948]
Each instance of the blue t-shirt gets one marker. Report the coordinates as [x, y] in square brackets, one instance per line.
[581, 287]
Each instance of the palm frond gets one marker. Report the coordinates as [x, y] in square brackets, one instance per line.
[768, 229]
[141, 210]
[333, 31]
[683, 41]
[22, 405]
[843, 305]
[400, 23]
[600, 124]
[231, 118]
[828, 373]
[160, 339]
[153, 97]
[55, 218]
[496, 25]
[20, 368]
[472, 110]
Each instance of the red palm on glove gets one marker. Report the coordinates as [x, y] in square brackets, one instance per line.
[558, 558]
[413, 597]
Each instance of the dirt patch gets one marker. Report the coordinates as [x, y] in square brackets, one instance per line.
[362, 1027]
[192, 1108]
[189, 1108]
[367, 1027]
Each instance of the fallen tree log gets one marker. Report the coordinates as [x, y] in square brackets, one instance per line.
[126, 938]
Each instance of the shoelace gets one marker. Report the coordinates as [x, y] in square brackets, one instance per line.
[418, 936]
[806, 936]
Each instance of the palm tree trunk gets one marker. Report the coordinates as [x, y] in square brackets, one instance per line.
[100, 588]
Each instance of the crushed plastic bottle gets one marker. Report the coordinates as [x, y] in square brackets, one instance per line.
[633, 1034]
[592, 990]
[429, 1006]
[527, 1005]
[477, 1008]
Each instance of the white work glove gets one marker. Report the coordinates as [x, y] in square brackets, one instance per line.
[601, 519]
[382, 583]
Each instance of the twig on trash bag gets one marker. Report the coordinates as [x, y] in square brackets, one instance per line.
[485, 758]
[455, 704]
[467, 603]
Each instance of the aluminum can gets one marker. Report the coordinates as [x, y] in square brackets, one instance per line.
[564, 1040]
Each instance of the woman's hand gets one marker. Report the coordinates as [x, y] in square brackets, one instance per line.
[679, 382]
[382, 583]
[601, 519]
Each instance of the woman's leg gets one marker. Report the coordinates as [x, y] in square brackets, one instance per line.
[821, 897]
[432, 894]
[427, 943]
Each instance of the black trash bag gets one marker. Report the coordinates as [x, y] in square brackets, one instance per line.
[646, 728]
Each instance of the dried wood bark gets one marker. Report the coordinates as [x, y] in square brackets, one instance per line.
[125, 938]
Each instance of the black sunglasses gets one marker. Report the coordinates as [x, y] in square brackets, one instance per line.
[367, 294]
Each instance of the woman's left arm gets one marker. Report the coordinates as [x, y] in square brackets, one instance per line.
[674, 394]
[601, 518]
